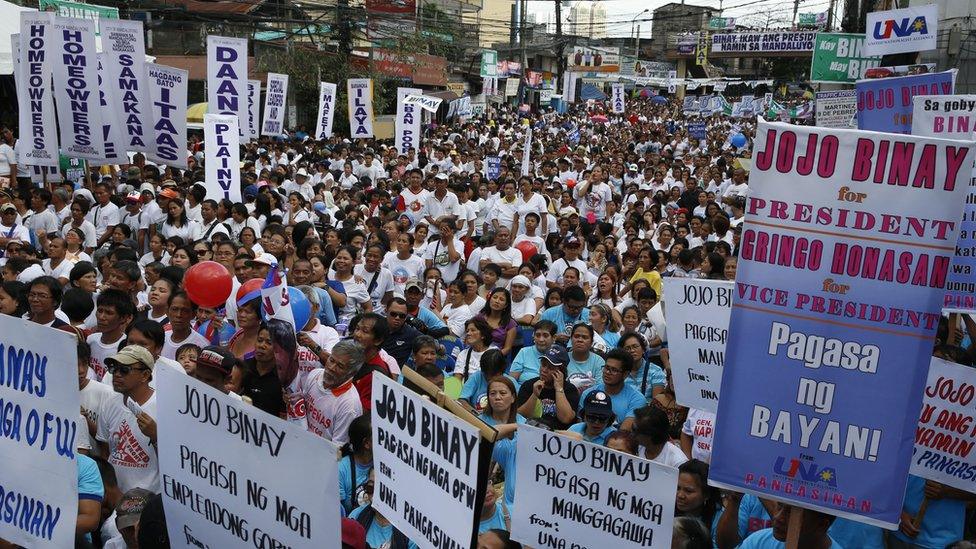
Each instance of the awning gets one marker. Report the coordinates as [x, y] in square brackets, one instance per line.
[446, 95]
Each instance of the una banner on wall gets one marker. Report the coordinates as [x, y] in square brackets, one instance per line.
[220, 458]
[327, 101]
[41, 415]
[253, 108]
[36, 113]
[427, 482]
[227, 78]
[840, 57]
[871, 215]
[274, 104]
[617, 97]
[945, 437]
[954, 117]
[111, 128]
[360, 92]
[167, 94]
[836, 109]
[598, 497]
[222, 141]
[903, 30]
[123, 41]
[885, 104]
[698, 328]
[76, 88]
[407, 121]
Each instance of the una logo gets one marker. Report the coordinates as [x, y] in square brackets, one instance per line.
[805, 471]
[884, 29]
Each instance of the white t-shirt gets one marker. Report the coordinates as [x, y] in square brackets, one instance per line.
[103, 217]
[446, 206]
[45, 220]
[136, 221]
[93, 397]
[384, 283]
[559, 267]
[594, 200]
[7, 158]
[324, 336]
[186, 232]
[330, 411]
[524, 307]
[504, 212]
[700, 426]
[535, 204]
[170, 347]
[415, 204]
[670, 455]
[355, 296]
[100, 351]
[130, 453]
[438, 253]
[403, 269]
[61, 271]
[205, 231]
[512, 256]
[455, 317]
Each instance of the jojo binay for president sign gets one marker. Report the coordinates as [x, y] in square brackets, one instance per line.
[847, 244]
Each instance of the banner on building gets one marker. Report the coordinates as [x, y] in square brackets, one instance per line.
[167, 94]
[228, 472]
[617, 97]
[123, 41]
[721, 23]
[227, 79]
[111, 128]
[598, 497]
[412, 437]
[253, 108]
[903, 30]
[836, 109]
[76, 88]
[360, 96]
[508, 68]
[701, 51]
[698, 328]
[407, 124]
[511, 87]
[954, 117]
[429, 104]
[489, 63]
[818, 20]
[274, 105]
[813, 318]
[222, 142]
[593, 59]
[327, 102]
[41, 423]
[36, 113]
[840, 57]
[763, 42]
[885, 104]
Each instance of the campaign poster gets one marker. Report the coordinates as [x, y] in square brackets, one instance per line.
[253, 109]
[36, 112]
[840, 57]
[697, 130]
[836, 109]
[327, 103]
[360, 97]
[763, 42]
[274, 105]
[124, 42]
[167, 92]
[825, 370]
[76, 88]
[235, 476]
[617, 97]
[885, 104]
[227, 79]
[572, 493]
[903, 30]
[41, 415]
[111, 128]
[222, 147]
[698, 328]
[427, 482]
[407, 121]
[954, 117]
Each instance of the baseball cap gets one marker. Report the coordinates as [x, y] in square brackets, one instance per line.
[133, 172]
[441, 176]
[597, 403]
[152, 524]
[320, 207]
[130, 507]
[8, 207]
[353, 534]
[557, 356]
[632, 167]
[133, 197]
[217, 358]
[568, 211]
[571, 240]
[131, 355]
[169, 193]
[413, 282]
[250, 191]
[263, 259]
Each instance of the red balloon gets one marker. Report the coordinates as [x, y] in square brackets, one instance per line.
[528, 250]
[253, 285]
[570, 183]
[208, 284]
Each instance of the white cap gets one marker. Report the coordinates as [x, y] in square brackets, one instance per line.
[521, 279]
[265, 259]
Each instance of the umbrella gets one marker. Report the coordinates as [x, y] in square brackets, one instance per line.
[195, 112]
[598, 118]
[659, 100]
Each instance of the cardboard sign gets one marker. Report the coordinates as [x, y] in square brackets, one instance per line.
[327, 102]
[123, 40]
[274, 105]
[36, 112]
[167, 93]
[76, 88]
[836, 109]
[360, 96]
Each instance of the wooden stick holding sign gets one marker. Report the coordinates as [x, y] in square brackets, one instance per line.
[920, 515]
[793, 528]
[448, 403]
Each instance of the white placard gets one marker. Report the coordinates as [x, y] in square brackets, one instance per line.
[407, 133]
[253, 108]
[167, 92]
[274, 105]
[123, 41]
[15, 57]
[698, 313]
[227, 78]
[836, 109]
[40, 417]
[111, 129]
[327, 102]
[903, 30]
[427, 468]
[269, 483]
[617, 97]
[223, 156]
[36, 112]
[429, 104]
[576, 494]
[527, 152]
[76, 88]
[360, 92]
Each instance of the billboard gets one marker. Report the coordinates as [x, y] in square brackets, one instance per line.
[763, 42]
[591, 59]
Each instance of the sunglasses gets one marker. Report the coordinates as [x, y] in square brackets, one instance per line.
[397, 315]
[597, 418]
[122, 369]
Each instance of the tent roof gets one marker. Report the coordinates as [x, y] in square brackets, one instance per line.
[9, 24]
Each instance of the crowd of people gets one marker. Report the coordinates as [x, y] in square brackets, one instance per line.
[531, 293]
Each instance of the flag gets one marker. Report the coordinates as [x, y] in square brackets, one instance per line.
[274, 297]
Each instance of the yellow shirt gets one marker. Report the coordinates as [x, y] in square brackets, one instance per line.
[652, 277]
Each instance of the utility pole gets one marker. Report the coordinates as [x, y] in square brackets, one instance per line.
[796, 8]
[830, 15]
[560, 58]
[342, 20]
[523, 83]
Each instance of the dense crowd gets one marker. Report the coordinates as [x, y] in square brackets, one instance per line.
[531, 293]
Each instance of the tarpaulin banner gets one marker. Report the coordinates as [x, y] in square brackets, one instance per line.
[840, 57]
[253, 108]
[327, 102]
[836, 109]
[222, 142]
[274, 104]
[111, 128]
[885, 105]
[76, 89]
[360, 97]
[824, 373]
[123, 41]
[227, 78]
[697, 129]
[954, 117]
[763, 42]
[903, 30]
[493, 167]
[407, 132]
[36, 112]
[167, 93]
[617, 98]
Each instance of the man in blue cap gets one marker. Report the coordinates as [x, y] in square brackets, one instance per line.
[550, 398]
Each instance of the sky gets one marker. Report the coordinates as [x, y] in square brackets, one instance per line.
[620, 13]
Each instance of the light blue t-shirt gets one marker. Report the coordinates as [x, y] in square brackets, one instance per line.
[504, 455]
[600, 439]
[764, 539]
[612, 338]
[89, 479]
[944, 519]
[496, 522]
[753, 517]
[584, 374]
[624, 403]
[856, 534]
[430, 319]
[376, 535]
[527, 363]
[475, 390]
[347, 492]
[564, 323]
[655, 378]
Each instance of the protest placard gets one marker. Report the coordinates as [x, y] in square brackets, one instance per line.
[837, 222]
[840, 57]
[253, 109]
[222, 145]
[407, 123]
[954, 117]
[167, 94]
[327, 102]
[76, 88]
[697, 129]
[111, 128]
[836, 109]
[905, 30]
[698, 326]
[227, 79]
[124, 42]
[885, 104]
[36, 115]
[39, 417]
[235, 476]
[946, 434]
[427, 481]
[360, 98]
[429, 104]
[274, 105]
[617, 98]
[493, 167]
[577, 494]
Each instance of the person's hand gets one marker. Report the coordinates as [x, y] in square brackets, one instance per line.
[562, 338]
[305, 340]
[147, 425]
[557, 379]
[537, 387]
[907, 525]
[934, 490]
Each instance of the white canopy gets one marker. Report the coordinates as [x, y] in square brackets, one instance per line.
[9, 24]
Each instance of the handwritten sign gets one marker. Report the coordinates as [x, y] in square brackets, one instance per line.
[235, 476]
[577, 494]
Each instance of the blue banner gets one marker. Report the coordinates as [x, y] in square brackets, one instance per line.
[843, 263]
[696, 130]
[493, 167]
[885, 104]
